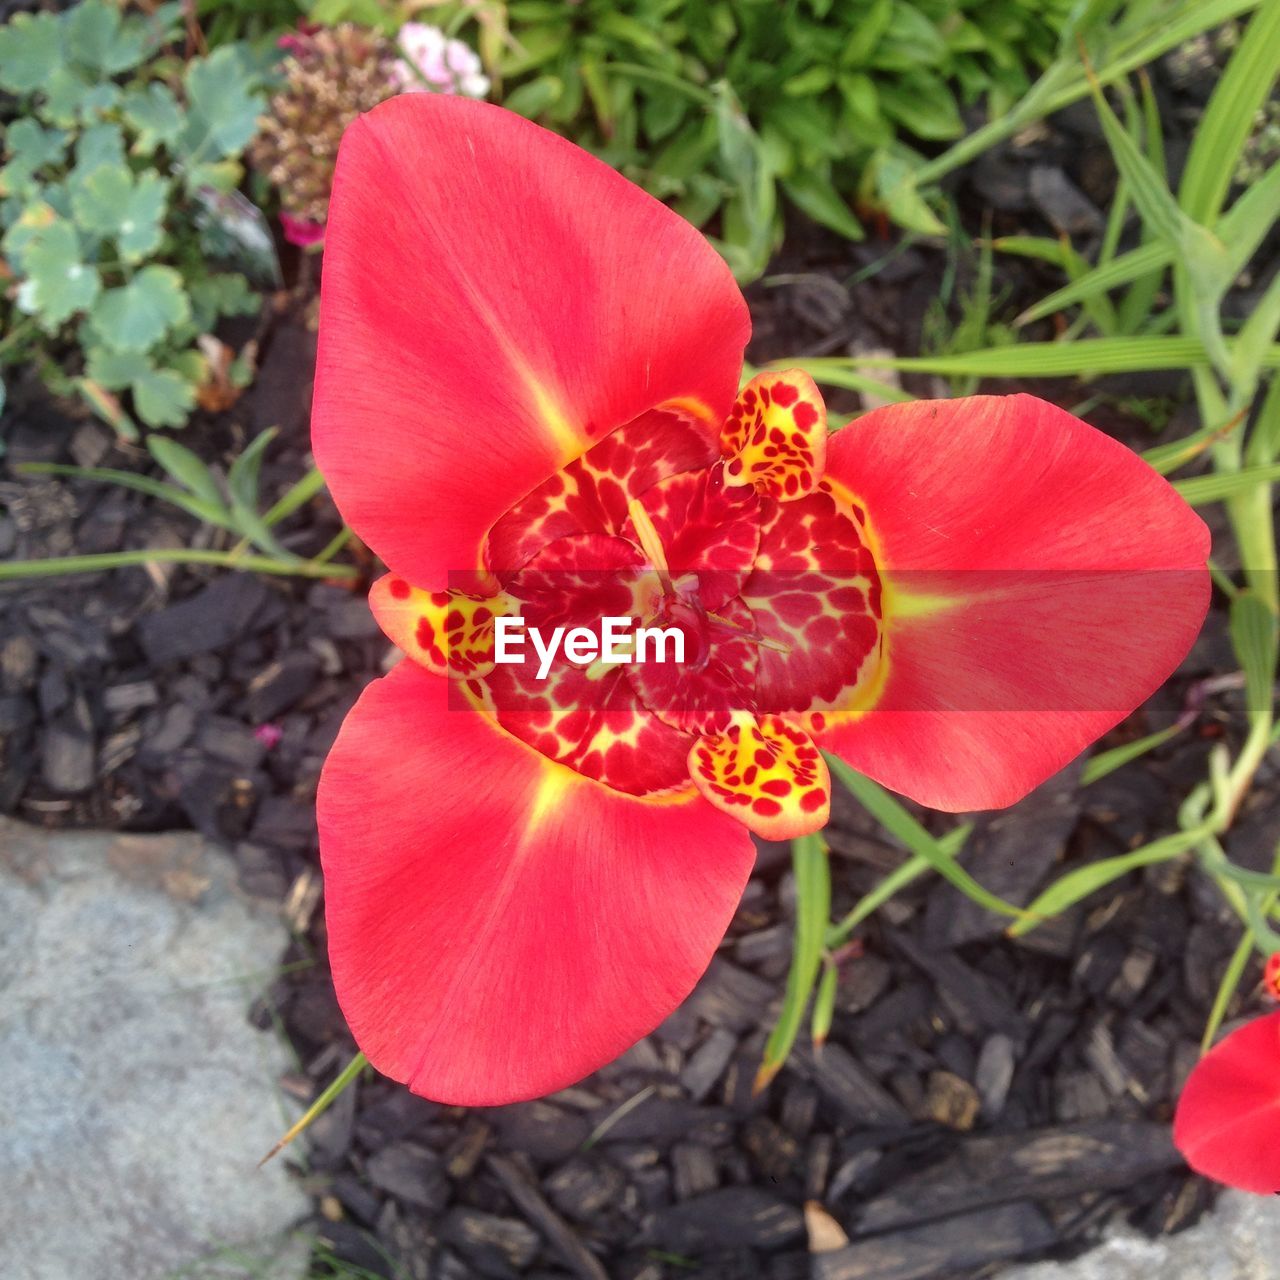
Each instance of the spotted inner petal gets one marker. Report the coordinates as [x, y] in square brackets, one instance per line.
[449, 632]
[766, 773]
[775, 437]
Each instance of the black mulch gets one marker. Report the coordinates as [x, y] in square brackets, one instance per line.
[980, 1100]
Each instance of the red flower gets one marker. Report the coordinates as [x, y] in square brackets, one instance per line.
[1271, 976]
[1228, 1120]
[525, 401]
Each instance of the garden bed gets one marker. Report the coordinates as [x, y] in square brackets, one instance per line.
[979, 1099]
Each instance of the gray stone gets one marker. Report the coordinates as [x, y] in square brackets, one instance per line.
[1239, 1240]
[135, 1098]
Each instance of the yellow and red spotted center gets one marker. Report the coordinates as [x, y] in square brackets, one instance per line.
[769, 576]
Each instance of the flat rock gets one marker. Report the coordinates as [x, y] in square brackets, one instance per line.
[1239, 1240]
[136, 1097]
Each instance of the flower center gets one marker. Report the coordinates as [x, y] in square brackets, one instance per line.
[763, 566]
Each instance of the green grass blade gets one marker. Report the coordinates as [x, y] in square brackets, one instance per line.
[1226, 989]
[1228, 119]
[848, 379]
[1167, 458]
[1105, 762]
[58, 566]
[1080, 883]
[215, 515]
[186, 468]
[899, 823]
[1125, 269]
[1254, 638]
[1256, 334]
[1035, 359]
[1264, 441]
[813, 914]
[897, 879]
[320, 1105]
[1201, 489]
[824, 1004]
[1247, 223]
[1064, 80]
[297, 495]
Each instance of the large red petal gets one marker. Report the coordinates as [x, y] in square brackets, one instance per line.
[1040, 582]
[498, 926]
[1228, 1120]
[494, 299]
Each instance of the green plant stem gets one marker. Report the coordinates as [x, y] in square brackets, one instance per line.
[320, 1105]
[58, 565]
[17, 334]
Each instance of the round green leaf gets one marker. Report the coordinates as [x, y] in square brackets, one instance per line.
[137, 315]
[111, 202]
[58, 283]
[163, 398]
[30, 51]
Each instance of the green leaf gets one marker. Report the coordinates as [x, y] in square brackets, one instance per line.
[1204, 254]
[1231, 976]
[1229, 118]
[97, 38]
[223, 106]
[1106, 762]
[112, 202]
[137, 315]
[1254, 637]
[1083, 881]
[895, 188]
[154, 114]
[58, 282]
[212, 514]
[71, 97]
[1226, 484]
[242, 484]
[30, 51]
[1247, 223]
[163, 398]
[185, 466]
[1100, 280]
[924, 105]
[534, 97]
[865, 34]
[1257, 333]
[115, 370]
[223, 294]
[813, 910]
[1046, 359]
[31, 147]
[899, 823]
[1167, 458]
[813, 192]
[299, 494]
[824, 1005]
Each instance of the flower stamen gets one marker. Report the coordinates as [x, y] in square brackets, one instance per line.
[650, 543]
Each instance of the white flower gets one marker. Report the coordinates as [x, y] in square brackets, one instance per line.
[434, 63]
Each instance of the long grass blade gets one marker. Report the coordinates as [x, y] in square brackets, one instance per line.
[813, 913]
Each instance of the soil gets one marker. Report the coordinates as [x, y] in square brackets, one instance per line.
[979, 1100]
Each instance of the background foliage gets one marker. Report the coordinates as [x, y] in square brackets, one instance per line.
[116, 197]
[720, 105]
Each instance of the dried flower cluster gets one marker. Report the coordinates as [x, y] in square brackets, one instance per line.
[332, 75]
